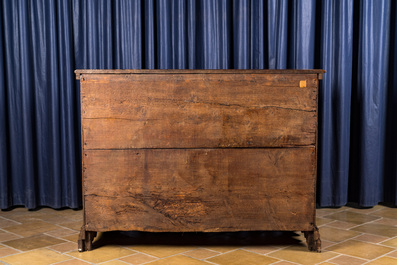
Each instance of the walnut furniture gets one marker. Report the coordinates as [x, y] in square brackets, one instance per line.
[199, 150]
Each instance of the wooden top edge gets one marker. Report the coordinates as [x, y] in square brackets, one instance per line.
[198, 71]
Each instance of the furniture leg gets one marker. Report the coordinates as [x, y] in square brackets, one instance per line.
[313, 239]
[85, 239]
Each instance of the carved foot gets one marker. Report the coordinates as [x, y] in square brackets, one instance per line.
[85, 239]
[313, 239]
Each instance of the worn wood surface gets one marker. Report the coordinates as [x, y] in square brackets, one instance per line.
[193, 111]
[199, 150]
[199, 189]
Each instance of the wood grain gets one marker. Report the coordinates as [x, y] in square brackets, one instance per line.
[199, 189]
[199, 150]
[188, 111]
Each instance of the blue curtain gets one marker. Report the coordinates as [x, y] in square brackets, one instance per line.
[42, 42]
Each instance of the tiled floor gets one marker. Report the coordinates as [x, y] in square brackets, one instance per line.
[349, 236]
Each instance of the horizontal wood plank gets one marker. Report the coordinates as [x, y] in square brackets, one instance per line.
[113, 97]
[184, 111]
[200, 127]
[199, 189]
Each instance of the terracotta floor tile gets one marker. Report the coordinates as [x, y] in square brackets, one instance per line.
[377, 229]
[102, 254]
[341, 225]
[28, 216]
[238, 257]
[65, 247]
[72, 238]
[7, 251]
[326, 211]
[383, 261]
[201, 253]
[322, 221]
[387, 213]
[138, 258]
[35, 257]
[347, 260]
[61, 232]
[161, 251]
[391, 243]
[283, 262]
[56, 219]
[222, 249]
[371, 238]
[21, 216]
[5, 236]
[351, 217]
[386, 221]
[71, 214]
[261, 249]
[360, 249]
[7, 222]
[33, 242]
[301, 255]
[369, 210]
[113, 262]
[336, 235]
[73, 262]
[326, 243]
[31, 228]
[73, 225]
[392, 254]
[178, 260]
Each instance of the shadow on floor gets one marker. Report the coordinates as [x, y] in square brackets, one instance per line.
[240, 239]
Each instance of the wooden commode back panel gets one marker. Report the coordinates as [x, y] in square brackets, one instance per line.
[199, 150]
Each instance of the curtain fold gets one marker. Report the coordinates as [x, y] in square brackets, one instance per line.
[42, 42]
[42, 167]
[4, 141]
[335, 101]
[390, 175]
[366, 184]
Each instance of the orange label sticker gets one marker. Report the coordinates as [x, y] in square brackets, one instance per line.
[302, 83]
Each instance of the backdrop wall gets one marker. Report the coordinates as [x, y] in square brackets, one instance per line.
[42, 42]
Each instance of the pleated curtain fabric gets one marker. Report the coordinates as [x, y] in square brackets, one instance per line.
[42, 42]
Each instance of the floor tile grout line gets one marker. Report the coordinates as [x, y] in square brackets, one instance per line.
[351, 256]
[10, 220]
[115, 259]
[73, 257]
[203, 259]
[158, 258]
[20, 251]
[181, 253]
[328, 260]
[5, 231]
[54, 263]
[138, 252]
[369, 233]
[275, 263]
[380, 243]
[260, 253]
[384, 255]
[342, 254]
[166, 256]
